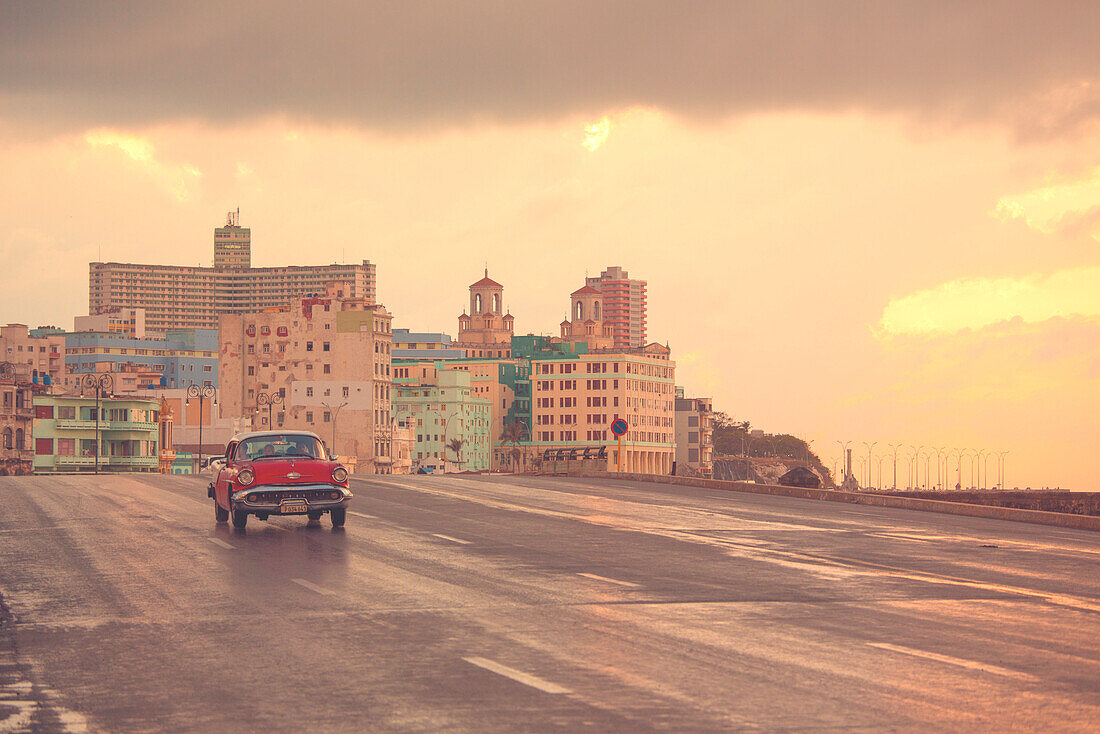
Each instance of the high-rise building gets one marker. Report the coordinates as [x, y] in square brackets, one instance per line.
[321, 365]
[232, 244]
[176, 296]
[624, 305]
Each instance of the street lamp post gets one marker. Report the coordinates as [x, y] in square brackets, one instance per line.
[879, 459]
[1001, 469]
[202, 393]
[334, 417]
[869, 447]
[978, 462]
[269, 399]
[894, 448]
[99, 384]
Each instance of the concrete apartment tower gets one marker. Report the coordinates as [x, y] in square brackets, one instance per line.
[624, 305]
[232, 244]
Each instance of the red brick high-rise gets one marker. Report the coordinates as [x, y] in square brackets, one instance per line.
[624, 305]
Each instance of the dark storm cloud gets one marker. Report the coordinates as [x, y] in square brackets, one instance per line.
[1035, 66]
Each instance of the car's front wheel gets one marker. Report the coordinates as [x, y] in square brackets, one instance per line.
[220, 514]
[240, 519]
[338, 517]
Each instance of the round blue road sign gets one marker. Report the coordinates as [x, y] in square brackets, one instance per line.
[619, 427]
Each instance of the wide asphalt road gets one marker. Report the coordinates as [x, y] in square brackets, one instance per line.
[504, 604]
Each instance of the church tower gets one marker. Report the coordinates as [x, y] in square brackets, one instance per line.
[585, 322]
[486, 331]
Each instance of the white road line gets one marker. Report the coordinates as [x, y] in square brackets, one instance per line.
[971, 664]
[313, 587]
[362, 514]
[517, 675]
[610, 581]
[453, 540]
[222, 543]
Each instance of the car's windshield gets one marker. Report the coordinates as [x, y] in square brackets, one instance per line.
[279, 445]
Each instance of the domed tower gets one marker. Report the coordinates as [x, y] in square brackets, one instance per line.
[487, 330]
[585, 323]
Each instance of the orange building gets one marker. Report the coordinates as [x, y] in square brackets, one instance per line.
[487, 330]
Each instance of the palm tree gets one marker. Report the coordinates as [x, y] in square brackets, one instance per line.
[513, 434]
[456, 444]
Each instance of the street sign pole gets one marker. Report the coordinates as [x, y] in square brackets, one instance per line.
[619, 427]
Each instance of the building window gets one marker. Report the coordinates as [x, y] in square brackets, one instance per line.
[326, 416]
[309, 416]
[327, 369]
[324, 346]
[309, 392]
[309, 346]
[251, 370]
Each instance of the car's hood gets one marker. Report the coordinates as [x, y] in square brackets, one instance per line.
[291, 471]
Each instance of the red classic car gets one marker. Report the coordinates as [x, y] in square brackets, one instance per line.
[279, 473]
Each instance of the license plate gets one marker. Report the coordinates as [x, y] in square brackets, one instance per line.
[293, 507]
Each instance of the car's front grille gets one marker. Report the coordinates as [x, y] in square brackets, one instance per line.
[279, 495]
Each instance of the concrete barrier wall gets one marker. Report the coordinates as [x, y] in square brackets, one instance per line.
[1039, 517]
[1075, 503]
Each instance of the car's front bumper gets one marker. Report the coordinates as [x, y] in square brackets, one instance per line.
[267, 499]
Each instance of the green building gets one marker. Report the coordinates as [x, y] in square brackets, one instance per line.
[65, 434]
[442, 412]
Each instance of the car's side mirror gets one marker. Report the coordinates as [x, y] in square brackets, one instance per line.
[334, 457]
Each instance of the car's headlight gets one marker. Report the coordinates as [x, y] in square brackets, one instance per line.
[339, 475]
[245, 476]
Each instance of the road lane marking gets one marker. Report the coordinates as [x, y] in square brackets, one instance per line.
[453, 540]
[222, 543]
[362, 514]
[610, 581]
[313, 587]
[971, 664]
[517, 675]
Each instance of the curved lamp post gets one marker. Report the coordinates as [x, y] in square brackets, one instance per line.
[1001, 469]
[269, 399]
[844, 457]
[102, 384]
[202, 393]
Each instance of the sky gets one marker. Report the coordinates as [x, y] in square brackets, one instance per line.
[859, 222]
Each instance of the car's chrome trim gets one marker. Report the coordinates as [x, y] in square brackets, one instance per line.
[242, 495]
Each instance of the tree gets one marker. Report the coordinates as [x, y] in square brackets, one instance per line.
[513, 434]
[456, 444]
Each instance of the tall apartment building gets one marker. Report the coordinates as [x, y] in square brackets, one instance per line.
[176, 296]
[624, 305]
[694, 431]
[41, 355]
[323, 365]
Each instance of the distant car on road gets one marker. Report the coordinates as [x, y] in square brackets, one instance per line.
[279, 473]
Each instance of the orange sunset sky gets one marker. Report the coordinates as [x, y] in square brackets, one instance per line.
[858, 221]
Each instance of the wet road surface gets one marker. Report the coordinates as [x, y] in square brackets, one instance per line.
[502, 604]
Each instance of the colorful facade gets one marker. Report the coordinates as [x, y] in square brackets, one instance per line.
[17, 393]
[179, 358]
[321, 365]
[65, 433]
[441, 412]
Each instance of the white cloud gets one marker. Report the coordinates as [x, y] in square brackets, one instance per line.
[974, 303]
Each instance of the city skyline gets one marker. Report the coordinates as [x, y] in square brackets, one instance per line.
[852, 225]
